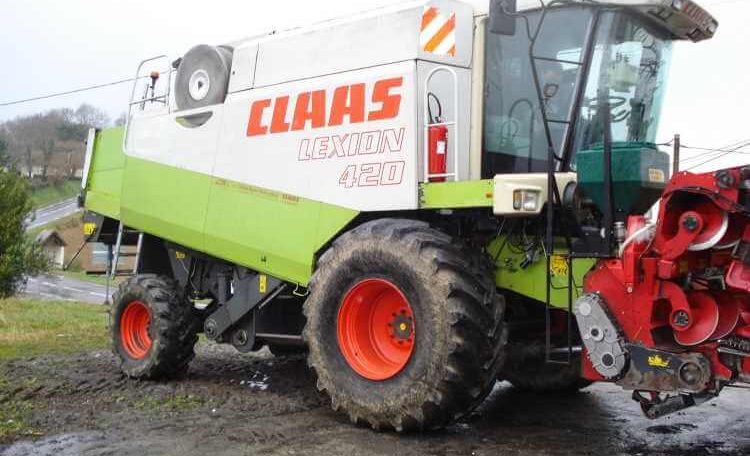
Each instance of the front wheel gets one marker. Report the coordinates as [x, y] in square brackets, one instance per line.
[404, 327]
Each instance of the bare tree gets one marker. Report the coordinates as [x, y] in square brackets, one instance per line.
[91, 116]
[121, 120]
[29, 162]
[53, 141]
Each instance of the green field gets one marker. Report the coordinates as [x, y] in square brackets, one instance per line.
[31, 328]
[45, 196]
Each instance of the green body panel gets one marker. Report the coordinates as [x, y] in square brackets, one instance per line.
[530, 281]
[271, 232]
[104, 185]
[639, 176]
[457, 195]
[167, 202]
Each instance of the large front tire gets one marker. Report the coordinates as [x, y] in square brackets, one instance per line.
[404, 326]
[154, 329]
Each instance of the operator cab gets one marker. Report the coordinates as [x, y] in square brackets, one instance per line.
[585, 57]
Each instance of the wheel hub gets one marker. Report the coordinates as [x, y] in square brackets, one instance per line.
[375, 329]
[199, 85]
[401, 327]
[134, 330]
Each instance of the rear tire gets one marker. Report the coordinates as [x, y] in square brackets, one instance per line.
[526, 369]
[154, 329]
[456, 341]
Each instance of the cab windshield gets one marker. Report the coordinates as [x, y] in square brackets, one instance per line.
[626, 73]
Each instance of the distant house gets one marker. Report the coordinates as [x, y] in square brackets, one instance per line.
[53, 245]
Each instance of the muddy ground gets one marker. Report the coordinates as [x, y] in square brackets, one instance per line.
[233, 404]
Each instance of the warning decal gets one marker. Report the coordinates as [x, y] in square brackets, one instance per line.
[438, 34]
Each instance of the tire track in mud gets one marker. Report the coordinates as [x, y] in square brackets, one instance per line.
[232, 404]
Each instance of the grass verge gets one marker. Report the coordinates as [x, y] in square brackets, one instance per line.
[32, 328]
[46, 196]
[98, 279]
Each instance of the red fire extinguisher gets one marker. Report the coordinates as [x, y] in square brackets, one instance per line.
[438, 137]
[438, 142]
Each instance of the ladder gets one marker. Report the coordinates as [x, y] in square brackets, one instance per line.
[554, 199]
[114, 255]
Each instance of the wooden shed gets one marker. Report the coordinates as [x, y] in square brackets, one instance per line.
[53, 245]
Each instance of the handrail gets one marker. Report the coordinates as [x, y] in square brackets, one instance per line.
[454, 123]
[161, 98]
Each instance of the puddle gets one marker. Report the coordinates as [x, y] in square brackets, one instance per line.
[259, 381]
[671, 429]
[73, 444]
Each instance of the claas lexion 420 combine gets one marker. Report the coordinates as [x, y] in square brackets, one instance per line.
[426, 199]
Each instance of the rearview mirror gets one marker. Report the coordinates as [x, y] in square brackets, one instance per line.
[502, 19]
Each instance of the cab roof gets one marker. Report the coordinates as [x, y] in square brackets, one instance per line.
[684, 19]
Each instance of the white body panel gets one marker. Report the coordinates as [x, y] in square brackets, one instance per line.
[312, 162]
[367, 42]
[243, 67]
[372, 163]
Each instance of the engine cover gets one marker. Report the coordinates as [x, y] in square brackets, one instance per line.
[603, 341]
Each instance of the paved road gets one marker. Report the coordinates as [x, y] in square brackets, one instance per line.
[65, 289]
[54, 212]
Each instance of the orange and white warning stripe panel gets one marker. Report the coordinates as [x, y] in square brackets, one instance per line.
[438, 34]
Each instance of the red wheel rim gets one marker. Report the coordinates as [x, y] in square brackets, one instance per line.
[376, 329]
[134, 324]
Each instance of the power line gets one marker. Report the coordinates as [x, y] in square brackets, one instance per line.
[733, 148]
[714, 154]
[722, 155]
[69, 92]
[708, 161]
[731, 151]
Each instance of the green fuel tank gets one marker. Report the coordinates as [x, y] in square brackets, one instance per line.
[640, 173]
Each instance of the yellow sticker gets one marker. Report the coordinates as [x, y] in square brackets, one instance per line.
[179, 255]
[262, 283]
[559, 265]
[89, 229]
[658, 361]
[656, 175]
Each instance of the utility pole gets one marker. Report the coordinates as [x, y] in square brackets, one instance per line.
[676, 155]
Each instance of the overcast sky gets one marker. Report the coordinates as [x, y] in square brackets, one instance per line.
[56, 45]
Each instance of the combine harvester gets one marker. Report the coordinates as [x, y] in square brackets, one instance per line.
[428, 198]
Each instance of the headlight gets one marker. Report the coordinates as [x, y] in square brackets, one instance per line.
[527, 200]
[678, 4]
